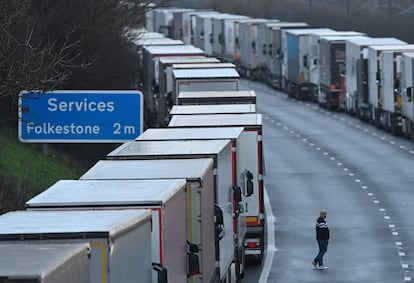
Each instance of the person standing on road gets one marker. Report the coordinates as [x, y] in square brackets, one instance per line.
[322, 237]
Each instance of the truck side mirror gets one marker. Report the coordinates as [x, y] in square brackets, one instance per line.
[249, 183]
[161, 271]
[193, 260]
[237, 194]
[219, 221]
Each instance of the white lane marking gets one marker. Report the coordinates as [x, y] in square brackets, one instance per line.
[401, 253]
[398, 243]
[386, 217]
[339, 164]
[357, 180]
[271, 248]
[364, 187]
[391, 226]
[404, 265]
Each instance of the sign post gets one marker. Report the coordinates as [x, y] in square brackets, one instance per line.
[71, 116]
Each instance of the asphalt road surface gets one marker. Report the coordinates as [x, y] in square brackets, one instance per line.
[364, 177]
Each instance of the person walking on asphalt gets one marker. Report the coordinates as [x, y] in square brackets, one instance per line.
[322, 237]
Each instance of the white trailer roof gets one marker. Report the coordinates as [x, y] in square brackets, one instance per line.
[35, 261]
[203, 66]
[339, 37]
[157, 41]
[160, 149]
[148, 169]
[206, 73]
[223, 120]
[309, 31]
[288, 24]
[188, 60]
[19, 225]
[212, 109]
[213, 94]
[364, 40]
[191, 133]
[173, 50]
[108, 193]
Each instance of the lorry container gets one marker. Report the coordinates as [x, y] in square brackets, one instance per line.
[391, 100]
[149, 17]
[179, 27]
[151, 56]
[215, 249]
[44, 263]
[213, 109]
[231, 37]
[262, 47]
[165, 83]
[249, 48]
[407, 84]
[252, 124]
[212, 79]
[295, 68]
[190, 21]
[204, 32]
[165, 198]
[220, 37]
[357, 70]
[332, 59]
[313, 61]
[277, 53]
[164, 20]
[216, 97]
[370, 110]
[120, 240]
[225, 164]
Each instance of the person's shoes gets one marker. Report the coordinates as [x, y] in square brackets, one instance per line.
[315, 266]
[322, 267]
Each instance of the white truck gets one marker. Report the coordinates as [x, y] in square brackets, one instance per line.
[370, 111]
[356, 85]
[295, 67]
[209, 224]
[332, 60]
[210, 79]
[225, 164]
[151, 57]
[204, 32]
[221, 37]
[190, 21]
[276, 53]
[314, 59]
[216, 97]
[213, 109]
[165, 198]
[391, 99]
[165, 82]
[407, 85]
[252, 124]
[45, 263]
[120, 240]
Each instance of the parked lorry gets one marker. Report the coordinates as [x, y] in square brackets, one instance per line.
[120, 240]
[189, 19]
[220, 38]
[45, 263]
[151, 56]
[356, 85]
[216, 97]
[225, 164]
[332, 70]
[248, 64]
[204, 32]
[314, 62]
[276, 52]
[295, 69]
[407, 85]
[213, 109]
[165, 198]
[165, 83]
[391, 99]
[252, 124]
[231, 39]
[211, 79]
[212, 236]
[370, 111]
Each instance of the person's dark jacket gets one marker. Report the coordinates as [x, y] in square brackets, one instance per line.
[322, 230]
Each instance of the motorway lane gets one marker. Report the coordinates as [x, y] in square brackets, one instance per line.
[317, 159]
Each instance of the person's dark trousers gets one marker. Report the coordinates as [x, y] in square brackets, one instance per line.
[323, 247]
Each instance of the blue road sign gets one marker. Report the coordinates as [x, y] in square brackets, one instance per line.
[70, 116]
